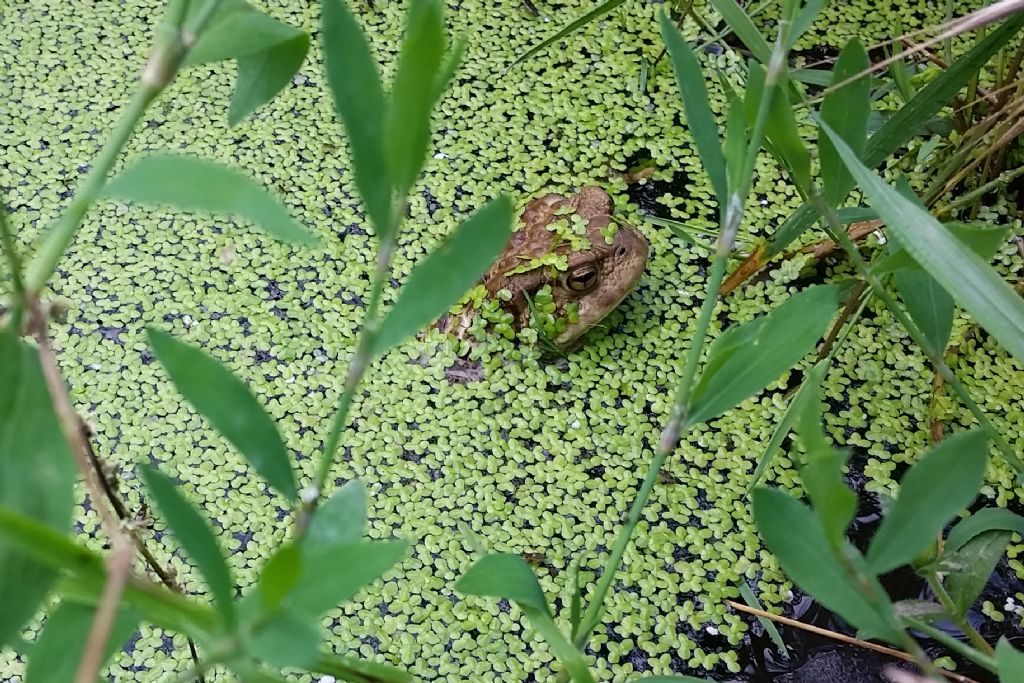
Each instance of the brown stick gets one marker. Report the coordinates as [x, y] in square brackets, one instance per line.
[118, 566]
[898, 654]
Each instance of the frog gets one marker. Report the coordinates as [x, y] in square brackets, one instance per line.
[569, 257]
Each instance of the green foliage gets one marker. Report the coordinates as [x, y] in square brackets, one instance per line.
[1011, 662]
[56, 652]
[36, 476]
[227, 403]
[846, 111]
[598, 11]
[199, 185]
[341, 519]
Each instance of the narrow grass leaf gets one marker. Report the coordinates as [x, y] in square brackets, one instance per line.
[906, 123]
[986, 519]
[504, 575]
[449, 67]
[979, 557]
[229, 405]
[333, 574]
[446, 273]
[699, 118]
[59, 648]
[735, 148]
[196, 184]
[413, 93]
[268, 52]
[746, 358]
[942, 483]
[971, 281]
[574, 25]
[1011, 662]
[341, 519]
[846, 110]
[803, 21]
[196, 537]
[984, 240]
[361, 105]
[567, 653]
[359, 670]
[37, 475]
[795, 536]
[279, 575]
[929, 305]
[780, 125]
[744, 29]
[767, 624]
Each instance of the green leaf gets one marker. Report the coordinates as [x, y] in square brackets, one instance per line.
[446, 273]
[796, 537]
[744, 29]
[597, 12]
[1011, 662]
[971, 281]
[699, 118]
[504, 575]
[748, 357]
[227, 403]
[906, 123]
[279, 576]
[341, 519]
[195, 537]
[288, 638]
[670, 679]
[942, 483]
[929, 305]
[37, 475]
[846, 110]
[334, 574]
[360, 103]
[575, 599]
[450, 66]
[413, 93]
[803, 21]
[268, 53]
[85, 576]
[986, 519]
[780, 126]
[567, 653]
[196, 184]
[982, 239]
[979, 557]
[358, 670]
[767, 624]
[734, 148]
[58, 650]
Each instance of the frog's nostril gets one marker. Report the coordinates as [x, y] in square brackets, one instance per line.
[620, 252]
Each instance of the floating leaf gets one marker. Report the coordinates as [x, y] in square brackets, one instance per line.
[699, 119]
[796, 537]
[268, 52]
[360, 103]
[971, 281]
[59, 648]
[986, 519]
[37, 475]
[195, 536]
[979, 557]
[748, 357]
[341, 519]
[227, 403]
[413, 93]
[942, 483]
[196, 184]
[846, 110]
[446, 273]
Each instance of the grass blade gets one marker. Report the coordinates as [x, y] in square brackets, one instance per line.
[597, 12]
[698, 112]
[846, 110]
[744, 29]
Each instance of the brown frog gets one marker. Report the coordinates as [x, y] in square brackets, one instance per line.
[571, 255]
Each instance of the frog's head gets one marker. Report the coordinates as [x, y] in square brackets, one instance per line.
[594, 273]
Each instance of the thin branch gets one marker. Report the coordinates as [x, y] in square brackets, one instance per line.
[118, 566]
[842, 638]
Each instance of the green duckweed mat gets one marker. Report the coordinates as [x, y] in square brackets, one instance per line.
[532, 457]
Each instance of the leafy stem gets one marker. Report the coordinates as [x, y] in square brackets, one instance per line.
[14, 261]
[840, 237]
[947, 602]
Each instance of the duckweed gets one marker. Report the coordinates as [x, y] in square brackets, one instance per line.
[535, 457]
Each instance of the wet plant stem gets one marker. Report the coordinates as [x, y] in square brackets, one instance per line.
[356, 369]
[936, 359]
[14, 261]
[961, 623]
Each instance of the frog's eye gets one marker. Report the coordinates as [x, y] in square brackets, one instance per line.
[582, 279]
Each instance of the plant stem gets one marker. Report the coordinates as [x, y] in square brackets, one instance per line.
[946, 601]
[356, 369]
[953, 644]
[14, 261]
[937, 360]
[119, 564]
